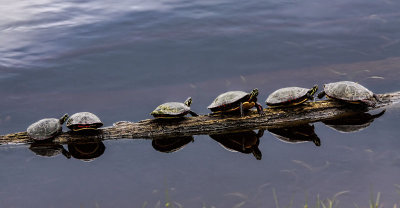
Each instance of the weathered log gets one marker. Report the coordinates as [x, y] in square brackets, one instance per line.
[214, 124]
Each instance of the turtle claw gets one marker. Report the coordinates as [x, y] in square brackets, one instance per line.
[260, 109]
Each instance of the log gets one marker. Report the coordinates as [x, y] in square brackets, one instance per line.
[309, 112]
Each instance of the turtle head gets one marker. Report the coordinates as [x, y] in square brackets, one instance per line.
[63, 118]
[312, 91]
[188, 101]
[254, 94]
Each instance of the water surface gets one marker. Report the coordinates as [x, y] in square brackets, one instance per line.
[120, 61]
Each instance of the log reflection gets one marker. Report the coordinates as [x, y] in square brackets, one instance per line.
[244, 142]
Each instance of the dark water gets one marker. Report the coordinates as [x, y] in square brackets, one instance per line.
[120, 60]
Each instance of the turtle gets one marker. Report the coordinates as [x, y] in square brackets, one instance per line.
[46, 128]
[244, 142]
[83, 121]
[236, 101]
[171, 144]
[173, 109]
[296, 134]
[350, 92]
[354, 122]
[290, 96]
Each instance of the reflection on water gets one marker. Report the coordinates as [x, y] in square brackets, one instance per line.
[352, 123]
[120, 60]
[49, 150]
[296, 134]
[86, 151]
[244, 142]
[169, 145]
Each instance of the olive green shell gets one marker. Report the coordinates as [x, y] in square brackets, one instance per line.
[171, 108]
[227, 98]
[347, 91]
[45, 128]
[286, 95]
[83, 118]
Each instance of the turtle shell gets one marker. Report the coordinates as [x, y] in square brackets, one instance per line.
[227, 98]
[44, 129]
[83, 120]
[286, 95]
[347, 91]
[171, 109]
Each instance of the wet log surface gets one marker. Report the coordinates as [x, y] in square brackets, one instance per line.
[213, 124]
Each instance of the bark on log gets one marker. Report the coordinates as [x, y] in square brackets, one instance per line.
[213, 124]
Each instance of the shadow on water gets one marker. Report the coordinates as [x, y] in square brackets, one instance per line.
[246, 141]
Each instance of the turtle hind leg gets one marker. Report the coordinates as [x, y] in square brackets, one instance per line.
[377, 98]
[370, 103]
[321, 94]
[193, 113]
[260, 109]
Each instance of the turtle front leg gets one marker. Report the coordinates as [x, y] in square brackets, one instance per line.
[65, 153]
[241, 109]
[193, 113]
[260, 109]
[256, 152]
[321, 94]
[317, 141]
[260, 133]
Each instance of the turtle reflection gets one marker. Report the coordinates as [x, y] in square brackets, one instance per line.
[49, 150]
[296, 134]
[244, 142]
[172, 144]
[86, 151]
[352, 123]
